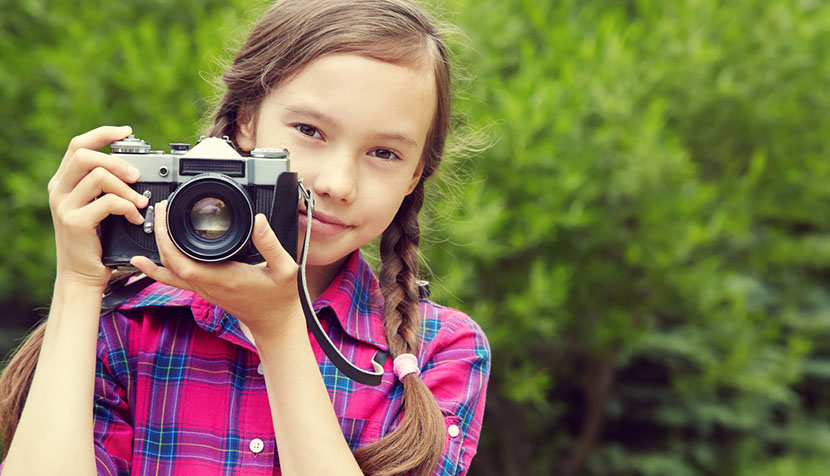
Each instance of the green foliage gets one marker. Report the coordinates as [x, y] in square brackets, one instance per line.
[652, 214]
[645, 242]
[66, 70]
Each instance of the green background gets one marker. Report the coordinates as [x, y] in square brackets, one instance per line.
[645, 239]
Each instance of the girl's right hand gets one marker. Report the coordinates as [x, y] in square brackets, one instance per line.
[77, 203]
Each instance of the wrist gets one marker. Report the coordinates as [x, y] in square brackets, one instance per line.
[74, 282]
[75, 308]
[288, 326]
[69, 287]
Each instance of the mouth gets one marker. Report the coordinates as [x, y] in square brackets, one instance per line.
[322, 224]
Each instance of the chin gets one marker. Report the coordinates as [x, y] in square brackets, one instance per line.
[326, 260]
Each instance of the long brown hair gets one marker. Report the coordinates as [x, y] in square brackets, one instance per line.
[289, 36]
[20, 368]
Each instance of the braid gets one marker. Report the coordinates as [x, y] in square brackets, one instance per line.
[399, 255]
[422, 421]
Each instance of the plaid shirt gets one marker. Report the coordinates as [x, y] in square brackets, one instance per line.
[179, 388]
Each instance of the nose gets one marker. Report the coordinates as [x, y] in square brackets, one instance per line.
[336, 178]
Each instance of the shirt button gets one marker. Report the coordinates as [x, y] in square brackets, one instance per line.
[256, 446]
[453, 431]
[259, 369]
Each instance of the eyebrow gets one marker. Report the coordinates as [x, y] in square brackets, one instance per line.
[403, 139]
[396, 137]
[312, 113]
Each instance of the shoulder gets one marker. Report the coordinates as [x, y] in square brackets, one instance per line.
[455, 358]
[444, 326]
[454, 355]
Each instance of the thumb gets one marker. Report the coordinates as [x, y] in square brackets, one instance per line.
[266, 242]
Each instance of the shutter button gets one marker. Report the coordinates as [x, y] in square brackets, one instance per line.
[256, 446]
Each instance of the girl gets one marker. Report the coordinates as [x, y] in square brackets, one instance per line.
[210, 370]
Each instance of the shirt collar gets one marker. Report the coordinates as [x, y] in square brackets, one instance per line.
[356, 300]
[354, 296]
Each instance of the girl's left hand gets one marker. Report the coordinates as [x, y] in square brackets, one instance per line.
[264, 296]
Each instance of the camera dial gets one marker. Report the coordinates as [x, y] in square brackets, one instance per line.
[269, 153]
[179, 148]
[130, 145]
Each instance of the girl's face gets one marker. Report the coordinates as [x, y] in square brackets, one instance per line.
[355, 128]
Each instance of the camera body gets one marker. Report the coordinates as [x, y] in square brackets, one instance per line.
[213, 195]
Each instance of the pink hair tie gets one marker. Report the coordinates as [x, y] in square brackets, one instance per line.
[406, 364]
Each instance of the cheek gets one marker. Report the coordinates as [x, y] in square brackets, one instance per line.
[382, 203]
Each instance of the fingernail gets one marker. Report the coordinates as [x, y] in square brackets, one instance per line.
[133, 173]
[261, 224]
[142, 201]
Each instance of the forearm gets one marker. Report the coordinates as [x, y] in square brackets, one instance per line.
[309, 438]
[55, 432]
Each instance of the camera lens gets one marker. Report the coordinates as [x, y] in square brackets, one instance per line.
[210, 218]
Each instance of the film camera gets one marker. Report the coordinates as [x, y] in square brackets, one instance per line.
[213, 195]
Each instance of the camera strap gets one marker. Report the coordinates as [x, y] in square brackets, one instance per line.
[332, 352]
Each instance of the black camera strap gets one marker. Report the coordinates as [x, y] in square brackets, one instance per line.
[333, 353]
[120, 295]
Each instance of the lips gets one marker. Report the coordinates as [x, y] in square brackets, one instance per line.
[322, 224]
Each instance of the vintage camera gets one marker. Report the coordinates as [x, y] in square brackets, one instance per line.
[213, 195]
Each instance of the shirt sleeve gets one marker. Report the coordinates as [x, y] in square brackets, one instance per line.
[456, 372]
[113, 431]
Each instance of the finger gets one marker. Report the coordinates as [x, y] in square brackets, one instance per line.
[163, 241]
[171, 257]
[84, 161]
[102, 181]
[269, 246]
[159, 273]
[93, 140]
[97, 138]
[91, 215]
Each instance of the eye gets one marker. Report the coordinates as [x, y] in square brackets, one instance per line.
[385, 154]
[309, 131]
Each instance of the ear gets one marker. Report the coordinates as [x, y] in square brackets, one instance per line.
[246, 129]
[416, 177]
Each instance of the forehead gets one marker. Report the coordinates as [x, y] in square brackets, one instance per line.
[363, 92]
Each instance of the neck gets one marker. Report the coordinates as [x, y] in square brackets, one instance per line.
[320, 277]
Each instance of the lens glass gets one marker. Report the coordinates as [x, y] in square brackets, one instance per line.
[210, 218]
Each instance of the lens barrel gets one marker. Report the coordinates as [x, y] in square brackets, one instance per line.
[210, 218]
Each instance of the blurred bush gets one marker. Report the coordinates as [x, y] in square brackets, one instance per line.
[645, 243]
[66, 69]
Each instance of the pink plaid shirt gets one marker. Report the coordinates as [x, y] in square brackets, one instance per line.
[179, 388]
